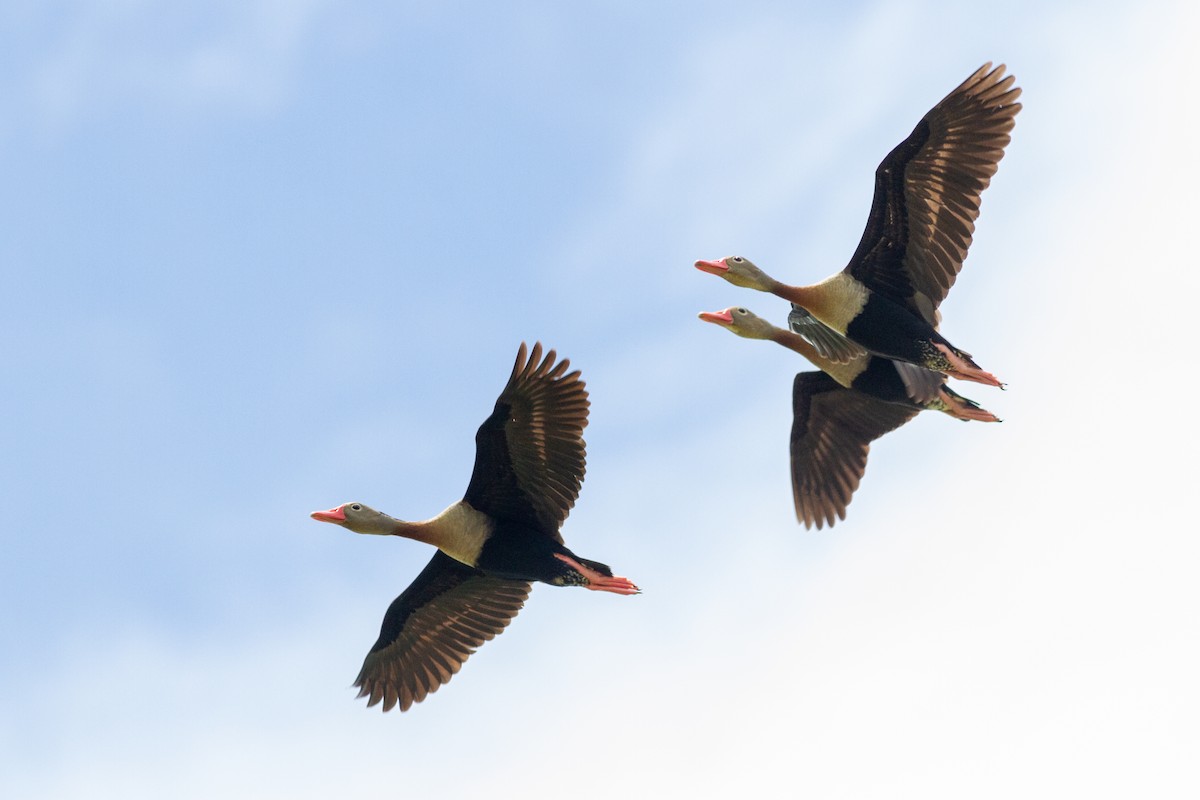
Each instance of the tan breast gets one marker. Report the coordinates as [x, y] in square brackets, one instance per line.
[836, 301]
[460, 532]
[843, 373]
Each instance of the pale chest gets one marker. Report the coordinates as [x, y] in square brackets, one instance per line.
[460, 532]
[836, 301]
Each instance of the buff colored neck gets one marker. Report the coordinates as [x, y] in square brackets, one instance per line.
[459, 532]
[797, 343]
[842, 373]
[425, 531]
[802, 296]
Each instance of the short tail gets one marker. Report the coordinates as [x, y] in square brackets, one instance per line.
[603, 569]
[959, 399]
[959, 407]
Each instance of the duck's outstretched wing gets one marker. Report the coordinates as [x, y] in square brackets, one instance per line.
[529, 454]
[832, 431]
[433, 627]
[927, 193]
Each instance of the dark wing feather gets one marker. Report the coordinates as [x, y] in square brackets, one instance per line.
[832, 431]
[927, 194]
[828, 342]
[530, 454]
[433, 627]
[920, 385]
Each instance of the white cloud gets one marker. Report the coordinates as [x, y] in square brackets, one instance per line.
[163, 55]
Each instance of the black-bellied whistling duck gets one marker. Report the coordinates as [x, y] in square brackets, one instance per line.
[492, 544]
[838, 412]
[921, 223]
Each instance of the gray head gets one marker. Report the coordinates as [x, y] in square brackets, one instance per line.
[739, 271]
[742, 321]
[359, 518]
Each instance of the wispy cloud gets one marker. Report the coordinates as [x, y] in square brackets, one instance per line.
[1007, 606]
[143, 54]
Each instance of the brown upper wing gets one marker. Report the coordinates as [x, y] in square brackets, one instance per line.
[433, 627]
[530, 454]
[832, 431]
[927, 193]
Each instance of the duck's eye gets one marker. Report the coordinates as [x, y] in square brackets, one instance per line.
[742, 311]
[355, 507]
[737, 259]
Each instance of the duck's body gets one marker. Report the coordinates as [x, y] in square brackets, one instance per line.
[895, 382]
[921, 223]
[838, 412]
[883, 379]
[492, 544]
[501, 548]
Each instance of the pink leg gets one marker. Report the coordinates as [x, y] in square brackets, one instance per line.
[597, 582]
[964, 371]
[964, 411]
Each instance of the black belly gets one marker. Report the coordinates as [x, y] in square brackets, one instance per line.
[523, 553]
[889, 329]
[881, 381]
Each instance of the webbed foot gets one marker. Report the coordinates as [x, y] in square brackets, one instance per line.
[966, 370]
[600, 583]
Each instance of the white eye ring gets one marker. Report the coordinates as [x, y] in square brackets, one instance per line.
[356, 507]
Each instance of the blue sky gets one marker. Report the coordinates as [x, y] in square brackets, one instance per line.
[265, 257]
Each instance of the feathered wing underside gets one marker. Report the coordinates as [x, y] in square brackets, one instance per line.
[832, 431]
[433, 627]
[530, 455]
[927, 193]
[828, 342]
[922, 385]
